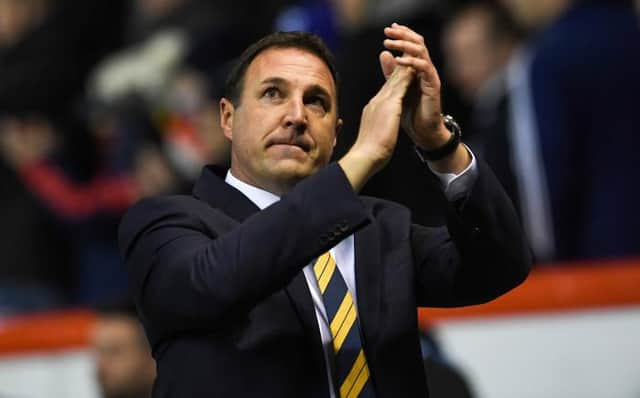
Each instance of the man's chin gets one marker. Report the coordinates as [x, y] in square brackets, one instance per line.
[292, 170]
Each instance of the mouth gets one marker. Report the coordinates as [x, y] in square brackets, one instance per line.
[300, 143]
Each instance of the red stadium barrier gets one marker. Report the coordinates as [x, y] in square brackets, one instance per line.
[549, 289]
[554, 288]
[59, 330]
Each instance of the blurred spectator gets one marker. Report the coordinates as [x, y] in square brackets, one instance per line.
[124, 366]
[36, 79]
[485, 61]
[87, 211]
[478, 42]
[584, 85]
[34, 271]
[46, 47]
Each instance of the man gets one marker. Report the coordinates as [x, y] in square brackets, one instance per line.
[485, 61]
[280, 281]
[478, 41]
[124, 366]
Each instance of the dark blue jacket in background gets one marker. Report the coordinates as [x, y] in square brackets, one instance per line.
[586, 87]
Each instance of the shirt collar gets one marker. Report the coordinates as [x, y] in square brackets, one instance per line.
[259, 197]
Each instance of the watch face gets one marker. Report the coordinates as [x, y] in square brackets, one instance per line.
[451, 124]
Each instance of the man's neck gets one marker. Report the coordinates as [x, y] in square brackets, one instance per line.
[259, 196]
[275, 187]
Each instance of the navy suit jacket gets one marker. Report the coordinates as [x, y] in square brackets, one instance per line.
[221, 293]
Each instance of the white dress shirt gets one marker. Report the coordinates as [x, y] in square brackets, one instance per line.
[454, 186]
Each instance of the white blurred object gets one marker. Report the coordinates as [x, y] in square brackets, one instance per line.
[586, 354]
[62, 374]
[145, 69]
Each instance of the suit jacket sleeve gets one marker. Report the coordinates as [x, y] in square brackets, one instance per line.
[192, 266]
[479, 256]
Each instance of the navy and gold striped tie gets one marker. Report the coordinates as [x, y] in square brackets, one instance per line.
[351, 369]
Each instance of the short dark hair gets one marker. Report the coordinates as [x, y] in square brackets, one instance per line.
[501, 24]
[297, 39]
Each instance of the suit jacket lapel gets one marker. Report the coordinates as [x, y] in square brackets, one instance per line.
[212, 189]
[298, 292]
[369, 276]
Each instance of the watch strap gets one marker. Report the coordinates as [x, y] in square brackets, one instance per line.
[448, 148]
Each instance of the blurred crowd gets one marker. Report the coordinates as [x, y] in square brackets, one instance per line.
[103, 102]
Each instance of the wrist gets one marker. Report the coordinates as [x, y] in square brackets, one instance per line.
[455, 163]
[443, 144]
[437, 139]
[358, 166]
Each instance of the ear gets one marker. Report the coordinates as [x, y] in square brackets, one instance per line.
[339, 124]
[227, 110]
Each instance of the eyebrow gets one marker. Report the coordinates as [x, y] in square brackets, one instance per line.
[274, 80]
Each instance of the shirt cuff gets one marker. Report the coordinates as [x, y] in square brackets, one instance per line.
[457, 186]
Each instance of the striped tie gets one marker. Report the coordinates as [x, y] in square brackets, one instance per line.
[351, 370]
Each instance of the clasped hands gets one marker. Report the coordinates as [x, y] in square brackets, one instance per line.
[421, 113]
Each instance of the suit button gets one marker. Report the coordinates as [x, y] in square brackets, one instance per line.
[475, 231]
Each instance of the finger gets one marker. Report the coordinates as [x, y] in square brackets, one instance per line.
[400, 79]
[424, 68]
[400, 73]
[387, 63]
[396, 31]
[400, 32]
[407, 47]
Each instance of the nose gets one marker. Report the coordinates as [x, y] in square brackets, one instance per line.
[296, 116]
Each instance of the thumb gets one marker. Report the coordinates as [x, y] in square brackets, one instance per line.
[387, 63]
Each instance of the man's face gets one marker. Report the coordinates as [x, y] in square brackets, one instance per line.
[471, 56]
[124, 365]
[284, 127]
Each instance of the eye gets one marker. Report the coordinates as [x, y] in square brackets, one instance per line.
[318, 101]
[271, 92]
